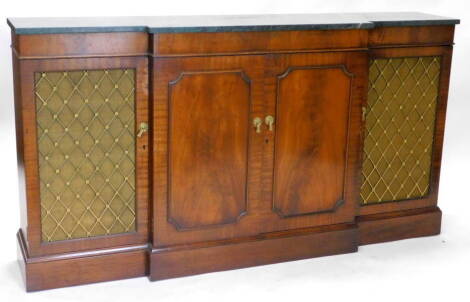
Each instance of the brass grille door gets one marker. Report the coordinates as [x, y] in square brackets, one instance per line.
[86, 150]
[400, 119]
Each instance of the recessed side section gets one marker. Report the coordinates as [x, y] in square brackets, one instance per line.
[311, 140]
[400, 125]
[86, 150]
[208, 140]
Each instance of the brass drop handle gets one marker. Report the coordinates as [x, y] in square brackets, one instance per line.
[257, 122]
[143, 127]
[269, 120]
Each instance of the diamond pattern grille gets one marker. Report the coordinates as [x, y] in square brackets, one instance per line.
[86, 143]
[399, 134]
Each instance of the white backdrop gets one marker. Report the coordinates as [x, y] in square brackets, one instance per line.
[431, 269]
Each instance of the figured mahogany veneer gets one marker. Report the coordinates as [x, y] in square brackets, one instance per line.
[256, 42]
[411, 36]
[80, 45]
[304, 151]
[215, 190]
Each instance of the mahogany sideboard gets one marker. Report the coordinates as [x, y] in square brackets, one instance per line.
[174, 146]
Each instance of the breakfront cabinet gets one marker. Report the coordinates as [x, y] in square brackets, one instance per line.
[173, 146]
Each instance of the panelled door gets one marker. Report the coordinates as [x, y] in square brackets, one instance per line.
[314, 139]
[207, 155]
[245, 145]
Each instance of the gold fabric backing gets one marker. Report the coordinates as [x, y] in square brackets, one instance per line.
[400, 118]
[86, 143]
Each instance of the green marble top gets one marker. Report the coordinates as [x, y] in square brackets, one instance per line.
[223, 23]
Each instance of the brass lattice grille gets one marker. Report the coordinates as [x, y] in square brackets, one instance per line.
[399, 134]
[85, 129]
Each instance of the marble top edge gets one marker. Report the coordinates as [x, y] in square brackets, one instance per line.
[408, 19]
[223, 23]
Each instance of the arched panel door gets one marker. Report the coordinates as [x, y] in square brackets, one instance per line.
[207, 151]
[314, 140]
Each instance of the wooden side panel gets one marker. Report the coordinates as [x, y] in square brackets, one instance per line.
[208, 138]
[311, 140]
[18, 103]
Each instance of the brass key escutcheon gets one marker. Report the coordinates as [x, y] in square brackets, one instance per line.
[143, 127]
[269, 120]
[257, 122]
